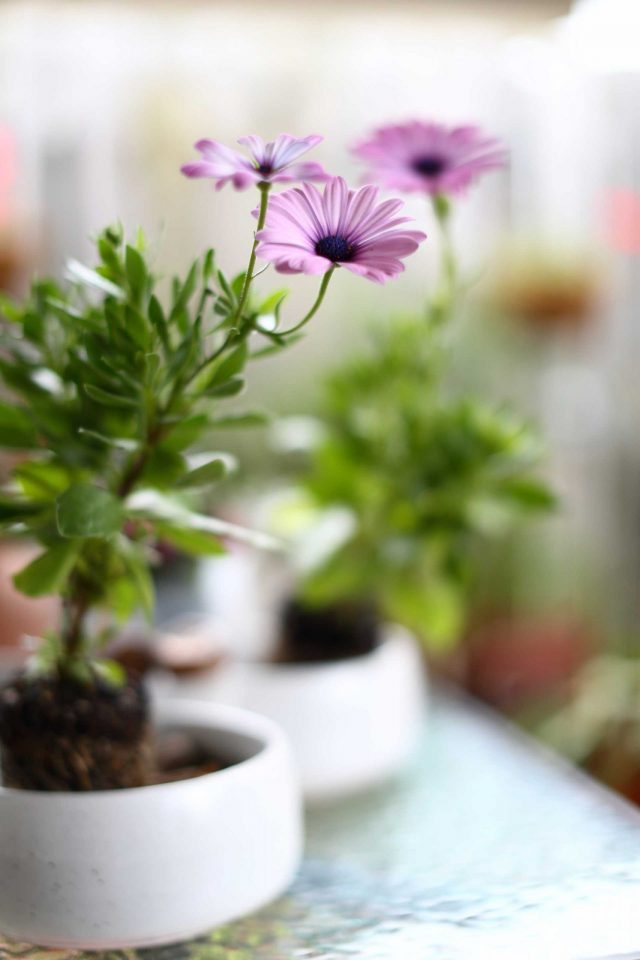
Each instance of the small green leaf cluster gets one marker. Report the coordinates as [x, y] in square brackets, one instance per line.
[425, 476]
[107, 388]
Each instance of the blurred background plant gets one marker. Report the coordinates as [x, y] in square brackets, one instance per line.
[424, 477]
[422, 472]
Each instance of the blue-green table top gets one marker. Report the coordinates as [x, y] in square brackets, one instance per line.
[485, 849]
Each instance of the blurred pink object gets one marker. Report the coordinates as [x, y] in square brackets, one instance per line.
[272, 162]
[513, 662]
[623, 215]
[21, 616]
[8, 173]
[430, 158]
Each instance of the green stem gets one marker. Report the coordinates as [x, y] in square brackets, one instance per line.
[264, 203]
[316, 306]
[444, 299]
[74, 612]
[246, 286]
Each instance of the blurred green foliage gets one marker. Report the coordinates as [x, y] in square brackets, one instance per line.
[426, 476]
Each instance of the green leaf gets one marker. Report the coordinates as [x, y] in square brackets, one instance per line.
[434, 609]
[202, 476]
[271, 303]
[229, 365]
[86, 511]
[80, 274]
[33, 326]
[192, 542]
[15, 511]
[121, 443]
[136, 271]
[230, 388]
[529, 493]
[48, 573]
[136, 563]
[17, 431]
[109, 399]
[156, 315]
[136, 326]
[221, 369]
[40, 479]
[153, 362]
[225, 287]
[122, 597]
[163, 468]
[238, 283]
[184, 294]
[252, 418]
[278, 343]
[207, 264]
[162, 508]
[111, 671]
[186, 432]
[10, 310]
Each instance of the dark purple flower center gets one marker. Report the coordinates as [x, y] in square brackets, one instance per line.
[429, 166]
[335, 248]
[265, 168]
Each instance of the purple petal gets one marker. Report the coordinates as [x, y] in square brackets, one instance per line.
[256, 147]
[286, 148]
[301, 172]
[199, 168]
[392, 152]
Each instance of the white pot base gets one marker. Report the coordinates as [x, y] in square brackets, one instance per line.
[352, 723]
[156, 865]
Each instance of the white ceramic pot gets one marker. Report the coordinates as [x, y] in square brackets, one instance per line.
[159, 864]
[352, 723]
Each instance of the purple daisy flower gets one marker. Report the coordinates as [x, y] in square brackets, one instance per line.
[308, 232]
[429, 157]
[272, 162]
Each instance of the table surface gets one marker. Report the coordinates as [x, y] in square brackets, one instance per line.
[486, 849]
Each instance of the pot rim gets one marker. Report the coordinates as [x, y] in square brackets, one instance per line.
[179, 710]
[392, 635]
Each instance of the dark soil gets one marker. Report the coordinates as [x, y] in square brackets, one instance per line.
[62, 735]
[320, 634]
[58, 734]
[179, 757]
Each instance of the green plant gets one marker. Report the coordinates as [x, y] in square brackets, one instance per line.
[424, 473]
[107, 393]
[424, 476]
[110, 386]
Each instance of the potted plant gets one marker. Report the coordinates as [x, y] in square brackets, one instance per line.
[407, 478]
[109, 387]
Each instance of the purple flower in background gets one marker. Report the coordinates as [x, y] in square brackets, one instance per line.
[272, 162]
[308, 232]
[429, 157]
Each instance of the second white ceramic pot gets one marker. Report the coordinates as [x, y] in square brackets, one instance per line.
[131, 868]
[352, 723]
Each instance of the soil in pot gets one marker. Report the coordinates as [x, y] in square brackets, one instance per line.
[179, 757]
[317, 634]
[59, 734]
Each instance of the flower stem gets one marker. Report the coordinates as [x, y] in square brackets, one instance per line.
[246, 286]
[316, 305]
[442, 304]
